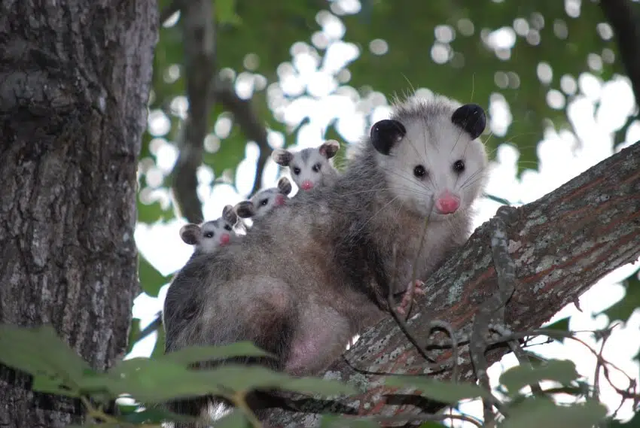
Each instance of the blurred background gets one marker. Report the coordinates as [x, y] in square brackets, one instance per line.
[235, 79]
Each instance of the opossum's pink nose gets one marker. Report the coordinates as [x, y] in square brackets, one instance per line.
[225, 238]
[447, 203]
[279, 200]
[306, 185]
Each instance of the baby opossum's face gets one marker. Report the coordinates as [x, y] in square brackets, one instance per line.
[265, 201]
[431, 157]
[309, 166]
[216, 233]
[212, 234]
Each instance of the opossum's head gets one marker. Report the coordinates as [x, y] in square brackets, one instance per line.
[265, 201]
[213, 234]
[308, 166]
[430, 155]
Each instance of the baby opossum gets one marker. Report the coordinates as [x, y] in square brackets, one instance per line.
[212, 234]
[310, 167]
[318, 270]
[264, 201]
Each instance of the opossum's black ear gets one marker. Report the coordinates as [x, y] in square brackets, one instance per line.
[329, 148]
[385, 134]
[471, 118]
[284, 186]
[190, 233]
[229, 215]
[245, 209]
[282, 157]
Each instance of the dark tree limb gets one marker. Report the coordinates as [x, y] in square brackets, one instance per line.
[74, 87]
[248, 121]
[198, 28]
[623, 17]
[561, 245]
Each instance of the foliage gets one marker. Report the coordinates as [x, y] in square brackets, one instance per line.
[162, 378]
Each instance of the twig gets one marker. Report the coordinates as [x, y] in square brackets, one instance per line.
[199, 49]
[247, 120]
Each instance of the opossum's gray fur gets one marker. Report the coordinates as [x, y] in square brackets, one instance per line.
[301, 284]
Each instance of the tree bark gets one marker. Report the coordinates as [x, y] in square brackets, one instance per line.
[74, 83]
[562, 244]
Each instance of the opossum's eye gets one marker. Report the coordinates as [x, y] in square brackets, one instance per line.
[208, 234]
[419, 171]
[264, 202]
[458, 166]
[316, 167]
[227, 227]
[296, 170]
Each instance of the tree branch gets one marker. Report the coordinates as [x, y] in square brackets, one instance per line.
[561, 245]
[623, 18]
[199, 49]
[248, 121]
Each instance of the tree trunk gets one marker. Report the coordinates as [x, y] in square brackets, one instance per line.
[561, 244]
[74, 83]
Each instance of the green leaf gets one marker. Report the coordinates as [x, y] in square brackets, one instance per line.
[542, 413]
[195, 354]
[444, 392]
[497, 199]
[517, 377]
[632, 423]
[431, 425]
[561, 325]
[150, 279]
[623, 309]
[155, 416]
[235, 419]
[59, 369]
[243, 378]
[158, 347]
[134, 331]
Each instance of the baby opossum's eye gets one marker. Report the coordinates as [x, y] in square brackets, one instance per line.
[458, 166]
[227, 227]
[316, 167]
[208, 234]
[419, 171]
[264, 202]
[296, 170]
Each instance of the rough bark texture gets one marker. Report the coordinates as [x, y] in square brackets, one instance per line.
[562, 244]
[74, 82]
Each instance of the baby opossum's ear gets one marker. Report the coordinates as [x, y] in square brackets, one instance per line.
[329, 148]
[471, 118]
[284, 186]
[190, 233]
[385, 133]
[229, 214]
[245, 209]
[282, 157]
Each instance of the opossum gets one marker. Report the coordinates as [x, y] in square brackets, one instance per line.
[319, 269]
[211, 235]
[310, 167]
[264, 201]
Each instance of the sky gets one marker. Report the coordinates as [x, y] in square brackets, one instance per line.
[599, 109]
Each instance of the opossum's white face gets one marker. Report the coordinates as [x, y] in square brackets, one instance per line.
[211, 235]
[267, 200]
[432, 159]
[309, 167]
[215, 234]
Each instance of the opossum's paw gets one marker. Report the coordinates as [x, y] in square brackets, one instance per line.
[414, 288]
